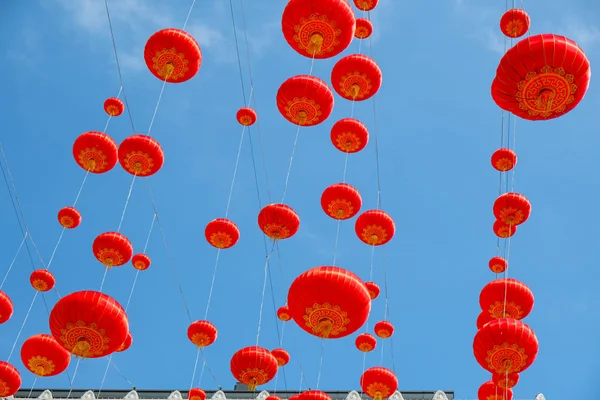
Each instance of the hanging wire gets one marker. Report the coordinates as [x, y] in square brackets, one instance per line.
[13, 261]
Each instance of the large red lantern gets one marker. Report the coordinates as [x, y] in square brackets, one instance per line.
[498, 265]
[365, 342]
[173, 55]
[515, 23]
[222, 233]
[504, 160]
[114, 106]
[44, 356]
[95, 152]
[141, 155]
[278, 221]
[112, 249]
[69, 217]
[489, 391]
[42, 280]
[349, 135]
[541, 77]
[283, 313]
[379, 383]
[375, 227]
[305, 100]
[512, 208]
[341, 201]
[10, 379]
[253, 366]
[329, 302]
[356, 77]
[196, 394]
[282, 356]
[384, 329]
[318, 28]
[505, 345]
[89, 324]
[6, 307]
[373, 289]
[506, 298]
[202, 333]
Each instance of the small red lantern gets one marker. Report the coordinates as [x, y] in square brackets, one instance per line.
[196, 394]
[278, 221]
[141, 155]
[44, 356]
[6, 307]
[282, 356]
[246, 116]
[42, 280]
[512, 208]
[375, 227]
[341, 201]
[10, 380]
[379, 383]
[222, 233]
[498, 265]
[114, 106]
[373, 289]
[365, 342]
[515, 23]
[141, 262]
[283, 313]
[504, 159]
[384, 329]
[112, 249]
[253, 366]
[364, 28]
[69, 217]
[202, 333]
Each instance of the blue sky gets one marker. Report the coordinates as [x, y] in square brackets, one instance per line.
[437, 128]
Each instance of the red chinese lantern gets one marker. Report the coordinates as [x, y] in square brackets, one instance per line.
[505, 381]
[313, 395]
[541, 77]
[69, 217]
[512, 208]
[366, 5]
[364, 28]
[384, 329]
[140, 155]
[140, 261]
[482, 319]
[282, 356]
[341, 201]
[349, 135]
[505, 345]
[503, 230]
[89, 324]
[95, 152]
[127, 343]
[114, 106]
[356, 77]
[515, 23]
[202, 333]
[6, 307]
[246, 116]
[222, 233]
[305, 100]
[10, 380]
[44, 356]
[498, 265]
[329, 302]
[365, 342]
[504, 159]
[42, 280]
[379, 383]
[173, 55]
[273, 397]
[196, 394]
[278, 221]
[318, 28]
[112, 249]
[373, 289]
[283, 313]
[253, 366]
[489, 391]
[375, 227]
[506, 298]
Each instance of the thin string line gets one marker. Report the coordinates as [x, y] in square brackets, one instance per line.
[208, 369]
[212, 283]
[73, 378]
[126, 203]
[13, 261]
[137, 271]
[87, 172]
[195, 369]
[188, 15]
[264, 287]
[320, 363]
[106, 268]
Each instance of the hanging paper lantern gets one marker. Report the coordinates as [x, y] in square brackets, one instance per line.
[482, 319]
[498, 265]
[112, 249]
[506, 298]
[505, 381]
[282, 356]
[512, 208]
[366, 5]
[202, 333]
[364, 28]
[141, 155]
[503, 230]
[114, 106]
[313, 395]
[196, 394]
[283, 313]
[505, 345]
[365, 342]
[6, 307]
[489, 391]
[318, 28]
[349, 135]
[329, 302]
[69, 217]
[222, 233]
[42, 355]
[89, 324]
[384, 329]
[173, 55]
[504, 159]
[127, 343]
[278, 221]
[42, 280]
[253, 366]
[341, 201]
[140, 261]
[10, 380]
[246, 116]
[515, 23]
[95, 152]
[379, 383]
[373, 289]
[305, 100]
[375, 227]
[541, 77]
[356, 77]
